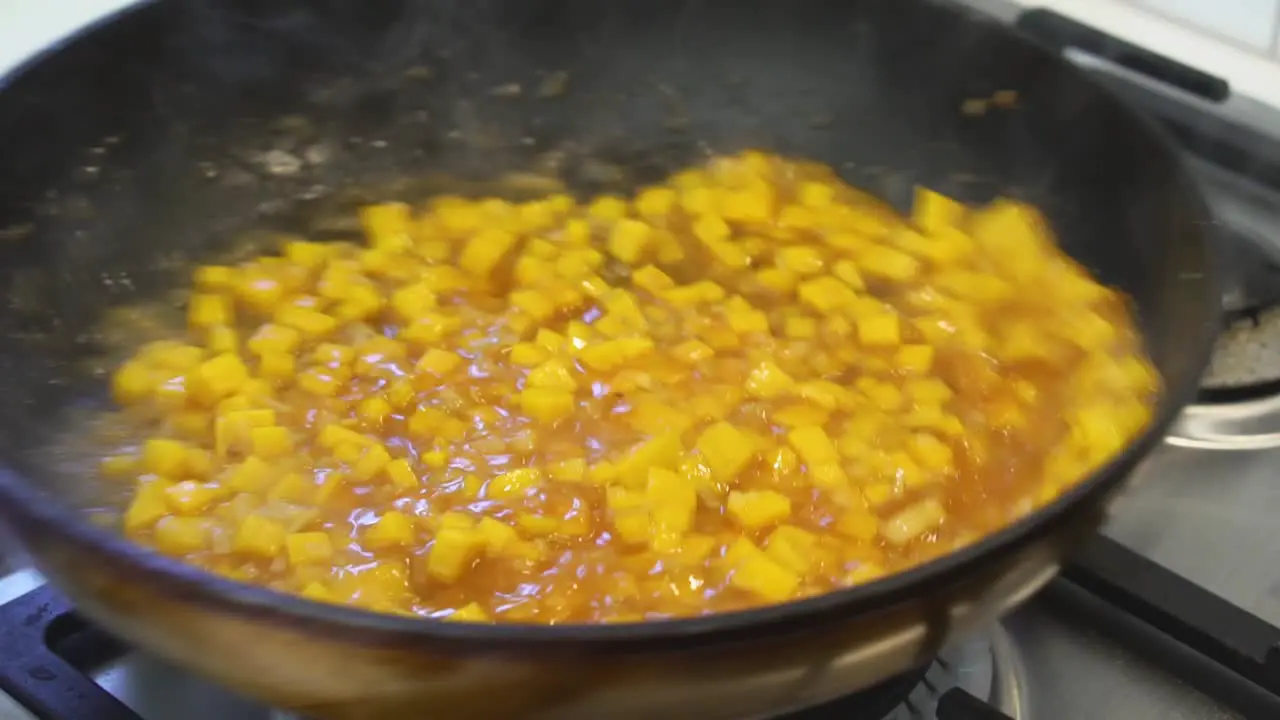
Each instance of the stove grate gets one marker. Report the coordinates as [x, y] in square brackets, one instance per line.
[47, 652]
[1200, 620]
[44, 680]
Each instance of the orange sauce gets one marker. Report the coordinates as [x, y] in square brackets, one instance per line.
[750, 384]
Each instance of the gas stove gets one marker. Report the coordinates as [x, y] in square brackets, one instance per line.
[1168, 612]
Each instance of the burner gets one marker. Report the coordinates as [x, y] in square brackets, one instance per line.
[1252, 276]
[1247, 213]
[1249, 243]
[1244, 361]
[1243, 425]
[872, 704]
[57, 665]
[981, 679]
[987, 669]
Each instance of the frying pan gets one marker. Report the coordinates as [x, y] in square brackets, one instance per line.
[153, 140]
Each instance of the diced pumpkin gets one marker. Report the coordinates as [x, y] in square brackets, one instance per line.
[749, 383]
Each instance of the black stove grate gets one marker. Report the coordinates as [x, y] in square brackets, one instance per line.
[891, 699]
[47, 653]
[872, 704]
[1233, 638]
[47, 650]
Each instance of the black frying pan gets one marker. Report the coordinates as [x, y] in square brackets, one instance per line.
[145, 144]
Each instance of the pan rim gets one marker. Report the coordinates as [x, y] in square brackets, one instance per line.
[29, 506]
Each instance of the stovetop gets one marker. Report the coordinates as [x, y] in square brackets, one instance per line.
[1172, 612]
[70, 669]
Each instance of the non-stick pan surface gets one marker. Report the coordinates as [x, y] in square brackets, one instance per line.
[153, 141]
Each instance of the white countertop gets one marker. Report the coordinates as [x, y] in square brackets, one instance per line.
[27, 26]
[1252, 74]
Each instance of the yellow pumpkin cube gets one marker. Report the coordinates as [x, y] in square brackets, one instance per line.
[934, 212]
[471, 612]
[438, 362]
[551, 375]
[272, 441]
[879, 330]
[513, 484]
[813, 445]
[164, 457]
[190, 497]
[629, 239]
[570, 470]
[655, 202]
[497, 535]
[393, 530]
[825, 294]
[755, 509]
[859, 524]
[402, 474]
[206, 311]
[726, 449]
[758, 574]
[388, 226]
[219, 377]
[800, 259]
[311, 323]
[149, 504]
[769, 381]
[792, 547]
[180, 536]
[546, 405]
[259, 536]
[886, 263]
[452, 552]
[482, 253]
[373, 460]
[308, 547]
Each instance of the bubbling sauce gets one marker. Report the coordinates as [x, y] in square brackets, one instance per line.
[749, 384]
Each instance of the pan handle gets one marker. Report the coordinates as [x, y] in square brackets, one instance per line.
[1061, 33]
